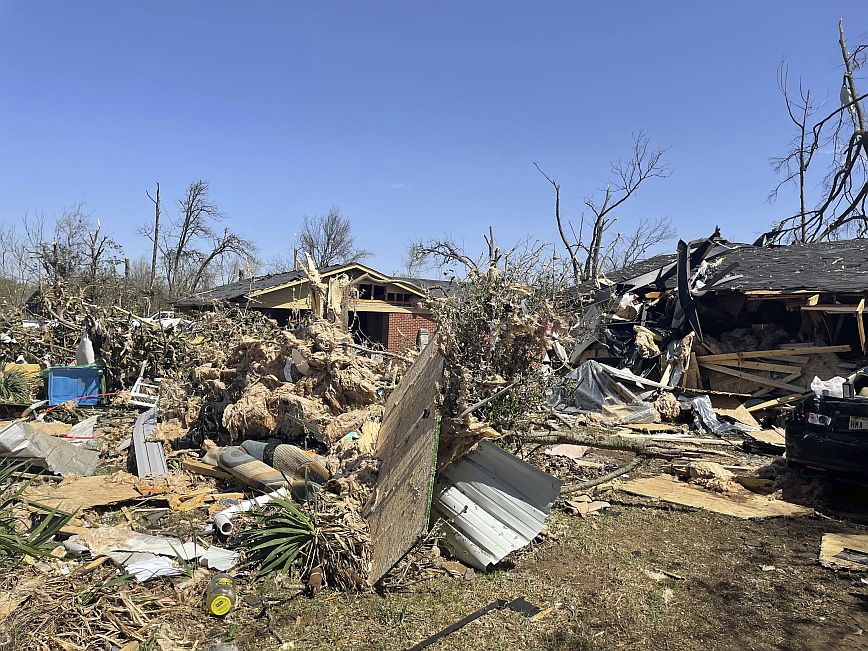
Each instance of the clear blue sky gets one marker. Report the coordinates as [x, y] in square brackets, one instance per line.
[414, 118]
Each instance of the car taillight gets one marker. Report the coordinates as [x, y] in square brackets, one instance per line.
[817, 419]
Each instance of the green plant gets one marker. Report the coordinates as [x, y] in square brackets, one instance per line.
[282, 533]
[16, 386]
[13, 542]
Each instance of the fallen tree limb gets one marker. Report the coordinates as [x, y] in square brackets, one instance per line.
[609, 476]
[603, 441]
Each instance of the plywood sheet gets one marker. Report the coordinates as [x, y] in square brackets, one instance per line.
[769, 436]
[745, 505]
[407, 449]
[844, 551]
[86, 493]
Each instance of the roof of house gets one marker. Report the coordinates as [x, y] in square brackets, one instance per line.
[242, 289]
[840, 266]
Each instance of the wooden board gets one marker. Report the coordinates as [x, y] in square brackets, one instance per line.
[790, 351]
[753, 378]
[733, 408]
[769, 436]
[758, 366]
[86, 493]
[778, 401]
[834, 544]
[744, 505]
[407, 449]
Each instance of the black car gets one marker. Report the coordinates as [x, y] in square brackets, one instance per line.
[830, 433]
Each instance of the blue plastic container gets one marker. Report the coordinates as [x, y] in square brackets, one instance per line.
[70, 382]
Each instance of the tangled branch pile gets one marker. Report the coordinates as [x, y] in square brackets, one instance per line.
[498, 332]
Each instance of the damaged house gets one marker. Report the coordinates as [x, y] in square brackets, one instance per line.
[381, 309]
[733, 318]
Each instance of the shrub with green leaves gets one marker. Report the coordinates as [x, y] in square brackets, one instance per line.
[16, 386]
[14, 542]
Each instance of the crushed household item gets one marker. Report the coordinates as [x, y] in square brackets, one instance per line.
[73, 383]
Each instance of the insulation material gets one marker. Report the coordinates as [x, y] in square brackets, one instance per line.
[645, 342]
[667, 406]
[712, 476]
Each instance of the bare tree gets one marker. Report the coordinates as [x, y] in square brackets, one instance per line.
[154, 235]
[588, 252]
[328, 239]
[794, 165]
[192, 244]
[841, 209]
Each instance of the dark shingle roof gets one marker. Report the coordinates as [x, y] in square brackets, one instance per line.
[238, 290]
[840, 266]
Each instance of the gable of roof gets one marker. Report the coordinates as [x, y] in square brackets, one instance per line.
[241, 290]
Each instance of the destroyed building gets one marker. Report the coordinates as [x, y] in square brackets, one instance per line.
[385, 310]
[766, 319]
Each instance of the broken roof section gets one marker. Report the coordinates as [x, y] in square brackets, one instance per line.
[245, 290]
[839, 267]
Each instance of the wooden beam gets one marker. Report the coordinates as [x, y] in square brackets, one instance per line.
[787, 350]
[778, 401]
[834, 309]
[758, 379]
[758, 366]
[767, 390]
[860, 326]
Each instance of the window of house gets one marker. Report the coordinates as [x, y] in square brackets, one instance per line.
[365, 291]
[390, 297]
[379, 292]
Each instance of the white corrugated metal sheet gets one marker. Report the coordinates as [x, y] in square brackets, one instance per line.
[492, 503]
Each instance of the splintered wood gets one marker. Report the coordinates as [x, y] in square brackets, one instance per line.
[744, 505]
[407, 448]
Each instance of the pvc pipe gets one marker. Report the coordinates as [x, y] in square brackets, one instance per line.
[223, 519]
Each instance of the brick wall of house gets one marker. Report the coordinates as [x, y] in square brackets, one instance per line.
[404, 328]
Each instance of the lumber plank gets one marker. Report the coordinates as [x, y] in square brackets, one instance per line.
[787, 350]
[745, 505]
[201, 468]
[759, 366]
[778, 401]
[767, 390]
[758, 379]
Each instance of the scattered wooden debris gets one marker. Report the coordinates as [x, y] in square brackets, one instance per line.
[744, 505]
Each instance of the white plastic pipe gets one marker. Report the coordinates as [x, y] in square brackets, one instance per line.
[223, 520]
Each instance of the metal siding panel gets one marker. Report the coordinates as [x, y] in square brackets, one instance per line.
[495, 503]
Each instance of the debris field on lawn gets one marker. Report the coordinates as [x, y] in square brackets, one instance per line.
[292, 457]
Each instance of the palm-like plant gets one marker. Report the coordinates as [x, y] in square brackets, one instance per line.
[14, 543]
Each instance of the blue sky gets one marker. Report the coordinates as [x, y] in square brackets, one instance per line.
[416, 119]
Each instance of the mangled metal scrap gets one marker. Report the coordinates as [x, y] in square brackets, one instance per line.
[25, 441]
[492, 503]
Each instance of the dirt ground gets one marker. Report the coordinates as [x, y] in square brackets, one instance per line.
[732, 584]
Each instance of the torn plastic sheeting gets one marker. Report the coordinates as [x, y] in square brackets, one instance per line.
[594, 387]
[145, 569]
[706, 420]
[103, 541]
[493, 503]
[24, 441]
[217, 558]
